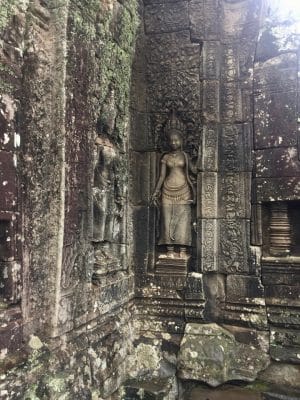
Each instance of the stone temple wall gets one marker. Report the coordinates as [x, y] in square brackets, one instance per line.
[65, 74]
[91, 304]
[229, 69]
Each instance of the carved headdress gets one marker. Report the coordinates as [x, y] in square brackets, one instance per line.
[174, 124]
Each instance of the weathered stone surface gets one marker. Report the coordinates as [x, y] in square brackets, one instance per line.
[276, 114]
[173, 87]
[211, 354]
[166, 18]
[234, 195]
[233, 246]
[171, 51]
[65, 79]
[204, 17]
[279, 74]
[194, 287]
[211, 101]
[231, 103]
[208, 208]
[54, 97]
[144, 239]
[152, 366]
[160, 389]
[286, 374]
[230, 65]
[224, 393]
[282, 295]
[244, 290]
[285, 345]
[240, 19]
[143, 164]
[8, 191]
[210, 141]
[235, 146]
[11, 281]
[277, 162]
[252, 337]
[283, 315]
[147, 363]
[209, 244]
[140, 140]
[277, 189]
[215, 292]
[10, 338]
[249, 315]
[286, 272]
[9, 241]
[211, 59]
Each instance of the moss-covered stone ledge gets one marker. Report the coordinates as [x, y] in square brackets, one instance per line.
[211, 354]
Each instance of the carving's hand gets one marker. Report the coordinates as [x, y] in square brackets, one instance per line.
[99, 141]
[155, 198]
[119, 200]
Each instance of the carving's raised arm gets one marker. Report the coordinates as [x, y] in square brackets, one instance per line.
[193, 165]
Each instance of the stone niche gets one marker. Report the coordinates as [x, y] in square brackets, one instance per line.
[281, 229]
[235, 99]
[192, 72]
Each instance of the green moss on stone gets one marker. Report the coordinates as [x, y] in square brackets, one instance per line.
[258, 386]
[8, 9]
[30, 393]
[84, 17]
[128, 23]
[6, 75]
[6, 12]
[110, 30]
[56, 383]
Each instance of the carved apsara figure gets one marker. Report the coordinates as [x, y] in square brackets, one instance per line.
[106, 198]
[174, 194]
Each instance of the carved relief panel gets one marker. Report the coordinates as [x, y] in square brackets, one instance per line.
[174, 196]
[106, 200]
[173, 103]
[109, 194]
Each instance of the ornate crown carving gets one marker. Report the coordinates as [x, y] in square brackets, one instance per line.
[174, 124]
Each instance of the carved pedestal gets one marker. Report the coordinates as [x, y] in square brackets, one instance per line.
[172, 265]
[104, 265]
[101, 270]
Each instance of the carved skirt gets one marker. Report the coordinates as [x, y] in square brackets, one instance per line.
[104, 211]
[175, 219]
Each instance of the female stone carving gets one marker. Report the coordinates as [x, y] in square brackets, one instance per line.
[176, 192]
[107, 200]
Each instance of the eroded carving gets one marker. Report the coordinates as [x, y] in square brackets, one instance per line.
[108, 202]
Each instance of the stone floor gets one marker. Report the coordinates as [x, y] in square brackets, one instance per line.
[257, 391]
[231, 392]
[226, 393]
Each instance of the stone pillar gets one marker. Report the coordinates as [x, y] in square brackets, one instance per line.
[43, 164]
